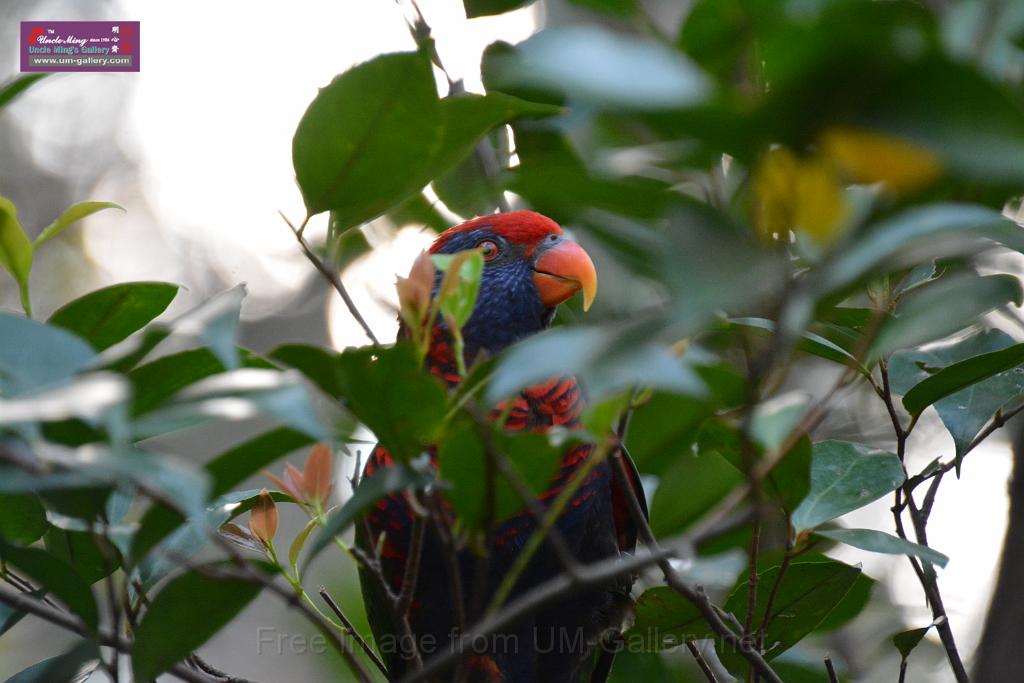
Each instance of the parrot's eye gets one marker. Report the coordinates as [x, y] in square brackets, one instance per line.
[488, 249]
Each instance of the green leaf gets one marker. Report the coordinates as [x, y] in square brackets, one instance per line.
[936, 229]
[906, 641]
[881, 542]
[386, 389]
[71, 215]
[807, 593]
[852, 604]
[92, 556]
[156, 382]
[57, 577]
[33, 355]
[665, 619]
[605, 360]
[318, 364]
[299, 542]
[789, 481]
[662, 430]
[809, 343]
[463, 463]
[382, 483]
[366, 139]
[953, 378]
[773, 420]
[111, 314]
[468, 117]
[15, 250]
[596, 66]
[74, 665]
[22, 518]
[845, 476]
[689, 488]
[459, 287]
[13, 88]
[967, 411]
[944, 307]
[239, 395]
[184, 615]
[483, 8]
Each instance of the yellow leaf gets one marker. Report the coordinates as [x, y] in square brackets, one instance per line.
[871, 157]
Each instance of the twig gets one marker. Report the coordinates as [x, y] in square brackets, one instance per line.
[331, 277]
[412, 566]
[904, 500]
[352, 631]
[694, 596]
[832, 677]
[701, 662]
[68, 622]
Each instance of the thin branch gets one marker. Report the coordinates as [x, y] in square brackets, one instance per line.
[331, 277]
[831, 670]
[352, 631]
[701, 662]
[24, 603]
[695, 596]
[412, 566]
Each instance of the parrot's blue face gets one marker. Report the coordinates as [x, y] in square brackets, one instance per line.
[529, 268]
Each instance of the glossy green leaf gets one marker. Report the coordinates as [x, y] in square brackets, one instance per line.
[967, 411]
[33, 355]
[845, 476]
[945, 307]
[482, 8]
[463, 462]
[68, 667]
[109, 315]
[15, 250]
[56, 576]
[662, 430]
[807, 593]
[92, 556]
[775, 419]
[367, 137]
[852, 604]
[72, 215]
[371, 489]
[665, 619]
[22, 518]
[881, 542]
[156, 382]
[318, 364]
[705, 478]
[387, 391]
[953, 378]
[184, 615]
[458, 299]
[13, 88]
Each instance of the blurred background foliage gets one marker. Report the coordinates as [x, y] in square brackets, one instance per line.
[789, 202]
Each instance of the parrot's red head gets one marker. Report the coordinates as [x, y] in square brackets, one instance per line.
[529, 268]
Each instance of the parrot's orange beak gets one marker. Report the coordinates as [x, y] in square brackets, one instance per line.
[561, 271]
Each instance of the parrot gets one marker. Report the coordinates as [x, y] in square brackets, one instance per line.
[530, 267]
